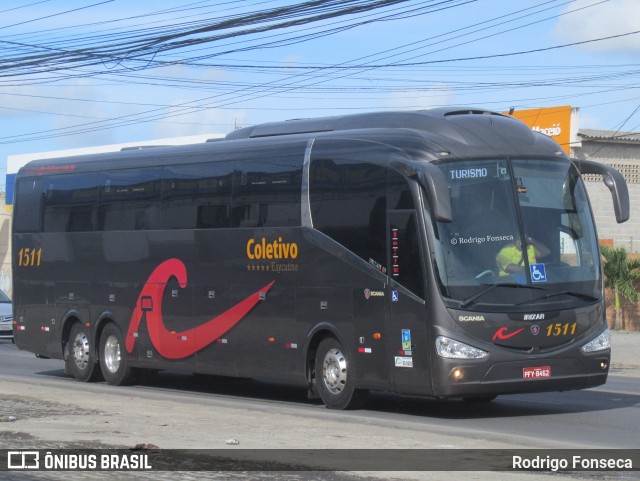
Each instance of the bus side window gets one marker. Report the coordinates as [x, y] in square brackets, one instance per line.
[399, 192]
[70, 203]
[129, 200]
[213, 216]
[409, 266]
[266, 193]
[408, 269]
[29, 206]
[348, 203]
[198, 196]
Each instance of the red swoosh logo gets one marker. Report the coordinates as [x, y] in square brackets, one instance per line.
[170, 344]
[502, 333]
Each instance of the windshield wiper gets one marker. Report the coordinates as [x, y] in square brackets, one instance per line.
[579, 295]
[469, 300]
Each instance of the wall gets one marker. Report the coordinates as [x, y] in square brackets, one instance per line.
[624, 155]
[625, 235]
[5, 247]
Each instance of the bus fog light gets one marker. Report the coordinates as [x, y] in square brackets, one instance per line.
[457, 374]
[452, 349]
[600, 343]
[604, 365]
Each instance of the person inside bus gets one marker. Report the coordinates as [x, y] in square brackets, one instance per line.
[510, 260]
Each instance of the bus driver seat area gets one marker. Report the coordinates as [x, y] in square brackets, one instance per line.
[472, 245]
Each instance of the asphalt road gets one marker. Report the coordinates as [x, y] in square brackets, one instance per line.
[175, 410]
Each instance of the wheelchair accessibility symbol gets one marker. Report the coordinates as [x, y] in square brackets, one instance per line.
[538, 274]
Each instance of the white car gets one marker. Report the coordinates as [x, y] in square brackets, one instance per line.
[6, 317]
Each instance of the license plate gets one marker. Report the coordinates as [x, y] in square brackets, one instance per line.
[5, 327]
[541, 372]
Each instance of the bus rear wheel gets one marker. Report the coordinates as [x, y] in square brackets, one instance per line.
[334, 377]
[80, 360]
[113, 358]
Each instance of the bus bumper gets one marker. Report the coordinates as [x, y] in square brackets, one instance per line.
[503, 376]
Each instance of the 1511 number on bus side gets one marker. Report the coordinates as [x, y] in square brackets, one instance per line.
[28, 257]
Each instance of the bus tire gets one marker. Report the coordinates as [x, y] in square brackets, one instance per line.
[334, 377]
[113, 358]
[80, 361]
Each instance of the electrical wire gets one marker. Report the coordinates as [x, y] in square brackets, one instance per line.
[180, 36]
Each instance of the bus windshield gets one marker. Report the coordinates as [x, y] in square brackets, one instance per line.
[521, 234]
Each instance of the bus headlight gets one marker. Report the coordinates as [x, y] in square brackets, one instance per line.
[452, 349]
[600, 343]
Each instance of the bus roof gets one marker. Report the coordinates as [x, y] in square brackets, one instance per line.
[454, 132]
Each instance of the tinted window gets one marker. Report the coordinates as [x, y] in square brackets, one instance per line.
[130, 200]
[522, 221]
[267, 193]
[404, 250]
[198, 196]
[348, 203]
[404, 240]
[28, 206]
[399, 192]
[70, 203]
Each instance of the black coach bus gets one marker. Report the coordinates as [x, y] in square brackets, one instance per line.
[443, 253]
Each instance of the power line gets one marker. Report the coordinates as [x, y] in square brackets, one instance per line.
[71, 60]
[55, 14]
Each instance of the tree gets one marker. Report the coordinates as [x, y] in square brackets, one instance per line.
[621, 274]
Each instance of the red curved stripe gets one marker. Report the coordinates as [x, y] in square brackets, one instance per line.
[170, 344]
[503, 334]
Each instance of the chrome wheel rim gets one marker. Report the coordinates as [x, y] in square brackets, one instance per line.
[80, 350]
[112, 354]
[334, 371]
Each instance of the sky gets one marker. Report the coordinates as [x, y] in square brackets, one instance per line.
[85, 73]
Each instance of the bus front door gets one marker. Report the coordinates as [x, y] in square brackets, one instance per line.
[407, 333]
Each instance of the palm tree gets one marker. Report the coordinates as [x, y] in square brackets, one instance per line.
[621, 274]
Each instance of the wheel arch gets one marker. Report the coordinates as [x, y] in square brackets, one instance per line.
[319, 332]
[101, 322]
[68, 321]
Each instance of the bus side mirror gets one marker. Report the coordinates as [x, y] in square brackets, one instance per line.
[435, 185]
[615, 183]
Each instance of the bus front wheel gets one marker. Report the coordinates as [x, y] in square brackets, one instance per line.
[80, 360]
[113, 357]
[334, 377]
